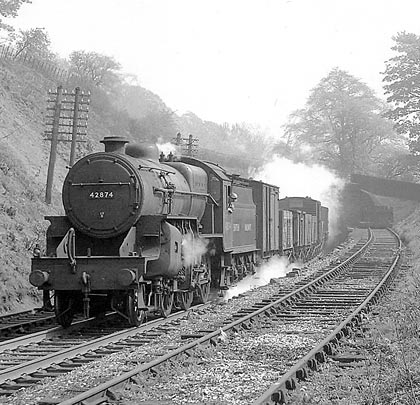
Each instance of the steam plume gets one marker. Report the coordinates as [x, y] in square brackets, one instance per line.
[301, 180]
[167, 147]
[276, 267]
[192, 249]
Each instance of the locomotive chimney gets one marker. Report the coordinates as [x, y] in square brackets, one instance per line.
[114, 144]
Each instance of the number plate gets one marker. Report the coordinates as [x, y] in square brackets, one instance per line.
[101, 195]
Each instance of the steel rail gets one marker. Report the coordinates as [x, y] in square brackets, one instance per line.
[12, 344]
[27, 368]
[16, 314]
[98, 394]
[36, 337]
[278, 392]
[23, 319]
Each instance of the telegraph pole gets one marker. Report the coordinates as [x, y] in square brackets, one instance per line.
[188, 145]
[54, 142]
[69, 124]
[74, 128]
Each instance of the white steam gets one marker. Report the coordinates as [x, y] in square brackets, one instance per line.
[301, 180]
[167, 147]
[275, 267]
[192, 249]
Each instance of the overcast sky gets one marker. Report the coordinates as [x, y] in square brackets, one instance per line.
[231, 61]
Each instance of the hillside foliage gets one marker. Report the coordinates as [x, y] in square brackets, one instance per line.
[342, 127]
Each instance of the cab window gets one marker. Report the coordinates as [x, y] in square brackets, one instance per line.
[214, 187]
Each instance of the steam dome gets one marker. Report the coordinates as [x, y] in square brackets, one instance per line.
[142, 151]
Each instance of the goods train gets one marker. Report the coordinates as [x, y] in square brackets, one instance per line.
[147, 233]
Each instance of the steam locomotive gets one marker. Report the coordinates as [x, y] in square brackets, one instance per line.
[146, 233]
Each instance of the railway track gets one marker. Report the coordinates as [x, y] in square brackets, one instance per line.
[311, 308]
[27, 360]
[19, 324]
[352, 295]
[271, 345]
[145, 348]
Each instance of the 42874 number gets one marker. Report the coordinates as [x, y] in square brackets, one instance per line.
[95, 195]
